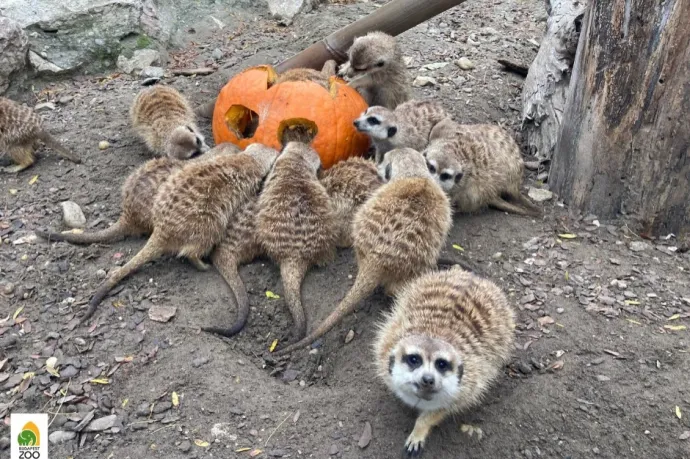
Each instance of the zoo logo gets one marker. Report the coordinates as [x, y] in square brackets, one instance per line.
[29, 436]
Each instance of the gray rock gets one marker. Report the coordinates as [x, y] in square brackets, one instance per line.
[4, 443]
[14, 44]
[286, 10]
[152, 72]
[72, 215]
[217, 54]
[638, 246]
[185, 446]
[61, 436]
[539, 194]
[465, 64]
[421, 81]
[42, 66]
[101, 424]
[141, 59]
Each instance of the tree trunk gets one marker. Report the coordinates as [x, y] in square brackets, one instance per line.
[545, 89]
[625, 142]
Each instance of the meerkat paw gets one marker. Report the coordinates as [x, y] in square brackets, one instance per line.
[14, 169]
[200, 265]
[470, 430]
[342, 71]
[414, 446]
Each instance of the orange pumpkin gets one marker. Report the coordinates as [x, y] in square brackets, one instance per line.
[251, 108]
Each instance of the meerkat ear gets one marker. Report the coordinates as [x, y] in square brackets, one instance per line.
[461, 371]
[391, 362]
[392, 131]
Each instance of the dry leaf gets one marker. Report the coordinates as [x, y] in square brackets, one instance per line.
[175, 399]
[201, 443]
[255, 453]
[13, 191]
[271, 295]
[557, 365]
[546, 320]
[567, 236]
[678, 413]
[50, 366]
[242, 450]
[17, 312]
[633, 321]
[457, 247]
[3, 362]
[632, 302]
[33, 180]
[273, 345]
[675, 327]
[100, 381]
[294, 419]
[567, 276]
[674, 317]
[125, 402]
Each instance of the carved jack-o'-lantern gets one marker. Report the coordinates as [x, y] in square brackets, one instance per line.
[253, 108]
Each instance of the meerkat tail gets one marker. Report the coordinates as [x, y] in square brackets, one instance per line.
[505, 206]
[115, 232]
[364, 286]
[292, 273]
[60, 149]
[234, 281]
[150, 252]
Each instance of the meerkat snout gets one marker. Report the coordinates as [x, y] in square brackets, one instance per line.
[185, 142]
[377, 122]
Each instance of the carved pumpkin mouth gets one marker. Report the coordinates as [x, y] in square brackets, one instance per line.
[242, 121]
[297, 130]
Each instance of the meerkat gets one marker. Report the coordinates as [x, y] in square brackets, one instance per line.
[193, 208]
[376, 69]
[478, 165]
[321, 77]
[239, 246]
[409, 125]
[163, 118]
[349, 184]
[138, 196]
[442, 345]
[296, 223]
[398, 234]
[20, 130]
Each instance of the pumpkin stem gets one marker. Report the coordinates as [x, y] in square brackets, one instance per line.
[297, 130]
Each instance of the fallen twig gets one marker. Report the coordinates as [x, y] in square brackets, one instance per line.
[514, 67]
[191, 72]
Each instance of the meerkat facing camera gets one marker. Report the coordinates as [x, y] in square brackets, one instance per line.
[163, 118]
[20, 130]
[478, 165]
[408, 126]
[442, 345]
[376, 69]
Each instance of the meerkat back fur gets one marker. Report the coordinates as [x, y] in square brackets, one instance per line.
[478, 165]
[193, 208]
[138, 196]
[376, 69]
[409, 125]
[240, 245]
[304, 74]
[441, 346]
[398, 234]
[295, 223]
[349, 184]
[163, 118]
[20, 130]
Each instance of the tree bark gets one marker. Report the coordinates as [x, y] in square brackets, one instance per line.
[545, 89]
[625, 143]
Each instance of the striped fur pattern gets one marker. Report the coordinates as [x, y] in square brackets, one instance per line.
[193, 209]
[20, 130]
[398, 234]
[349, 184]
[163, 118]
[296, 223]
[409, 125]
[443, 344]
[376, 69]
[479, 166]
[304, 74]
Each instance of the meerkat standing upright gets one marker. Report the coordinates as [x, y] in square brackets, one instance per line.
[398, 234]
[408, 126]
[349, 184]
[295, 223]
[163, 118]
[377, 71]
[478, 165]
[192, 210]
[20, 130]
[442, 345]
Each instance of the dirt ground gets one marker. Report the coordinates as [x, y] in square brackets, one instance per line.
[601, 362]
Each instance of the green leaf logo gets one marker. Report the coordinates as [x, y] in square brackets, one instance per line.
[29, 435]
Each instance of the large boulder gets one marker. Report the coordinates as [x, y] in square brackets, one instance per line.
[14, 45]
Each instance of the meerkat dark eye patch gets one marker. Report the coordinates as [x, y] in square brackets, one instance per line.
[189, 129]
[458, 176]
[198, 142]
[445, 176]
[443, 366]
[431, 167]
[373, 120]
[389, 170]
[392, 131]
[380, 64]
[412, 360]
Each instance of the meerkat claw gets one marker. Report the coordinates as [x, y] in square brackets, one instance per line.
[413, 448]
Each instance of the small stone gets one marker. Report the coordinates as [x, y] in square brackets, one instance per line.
[61, 436]
[101, 424]
[350, 336]
[103, 145]
[524, 368]
[421, 81]
[465, 64]
[68, 372]
[638, 246]
[602, 378]
[629, 294]
[8, 288]
[539, 194]
[4, 443]
[614, 261]
[684, 436]
[543, 177]
[141, 59]
[290, 375]
[160, 313]
[185, 446]
[217, 54]
[72, 215]
[560, 310]
[607, 300]
[152, 72]
[532, 165]
[101, 274]
[334, 450]
[161, 407]
[196, 363]
[365, 439]
[277, 453]
[65, 99]
[143, 409]
[598, 361]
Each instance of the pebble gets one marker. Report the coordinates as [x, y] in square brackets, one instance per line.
[217, 54]
[103, 145]
[543, 177]
[4, 443]
[152, 72]
[68, 372]
[8, 288]
[101, 424]
[465, 64]
[350, 336]
[196, 363]
[539, 194]
[638, 246]
[607, 300]
[143, 409]
[629, 294]
[161, 407]
[61, 436]
[614, 261]
[602, 378]
[524, 368]
[334, 450]
[65, 99]
[185, 446]
[421, 81]
[684, 436]
[101, 274]
[598, 361]
[72, 215]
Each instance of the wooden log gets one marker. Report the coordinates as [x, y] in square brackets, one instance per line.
[625, 143]
[545, 90]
